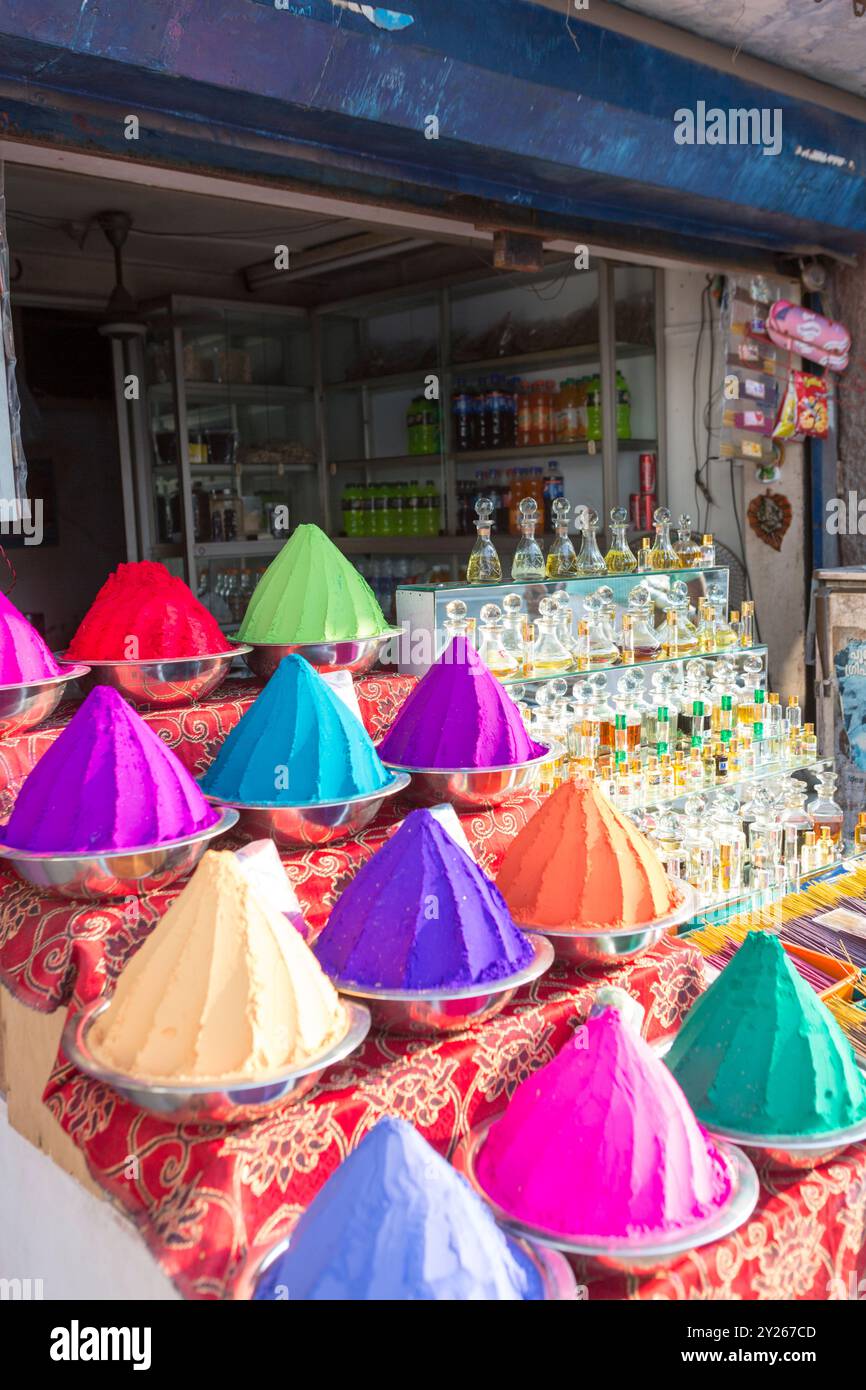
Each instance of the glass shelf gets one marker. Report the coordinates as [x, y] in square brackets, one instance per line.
[575, 673]
[719, 910]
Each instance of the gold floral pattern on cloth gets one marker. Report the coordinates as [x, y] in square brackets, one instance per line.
[256, 1177]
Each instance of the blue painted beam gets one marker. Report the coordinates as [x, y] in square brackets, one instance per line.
[568, 122]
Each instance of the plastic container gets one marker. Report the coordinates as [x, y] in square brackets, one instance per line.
[524, 415]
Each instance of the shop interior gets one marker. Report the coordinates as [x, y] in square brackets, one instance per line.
[199, 375]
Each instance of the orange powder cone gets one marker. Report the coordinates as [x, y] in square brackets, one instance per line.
[580, 864]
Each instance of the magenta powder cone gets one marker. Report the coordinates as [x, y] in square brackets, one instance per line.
[458, 716]
[24, 657]
[107, 783]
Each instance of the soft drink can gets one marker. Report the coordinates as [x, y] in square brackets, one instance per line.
[647, 472]
[648, 504]
[634, 510]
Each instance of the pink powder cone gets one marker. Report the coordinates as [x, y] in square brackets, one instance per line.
[24, 656]
[601, 1142]
[458, 716]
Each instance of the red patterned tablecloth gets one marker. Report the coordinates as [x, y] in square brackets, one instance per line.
[203, 1198]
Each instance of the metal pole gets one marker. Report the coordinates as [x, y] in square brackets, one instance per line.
[185, 480]
[661, 386]
[607, 353]
[125, 448]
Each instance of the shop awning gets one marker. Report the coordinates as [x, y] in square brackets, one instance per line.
[543, 120]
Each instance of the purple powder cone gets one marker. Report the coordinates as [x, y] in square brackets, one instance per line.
[24, 657]
[458, 716]
[421, 915]
[107, 783]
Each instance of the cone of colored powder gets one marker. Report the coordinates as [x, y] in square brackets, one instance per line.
[143, 613]
[421, 915]
[223, 989]
[458, 715]
[601, 1143]
[580, 864]
[297, 744]
[396, 1223]
[311, 593]
[759, 1053]
[24, 657]
[106, 783]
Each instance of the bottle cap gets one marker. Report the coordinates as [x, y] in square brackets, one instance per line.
[735, 617]
[726, 702]
[759, 697]
[774, 699]
[809, 837]
[707, 540]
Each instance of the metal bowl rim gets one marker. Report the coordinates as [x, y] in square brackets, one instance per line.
[227, 819]
[795, 1143]
[233, 651]
[543, 958]
[557, 1277]
[738, 1208]
[554, 750]
[399, 783]
[78, 1025]
[74, 670]
[687, 909]
[325, 642]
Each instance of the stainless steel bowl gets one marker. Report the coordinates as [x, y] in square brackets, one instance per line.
[320, 824]
[556, 1274]
[356, 654]
[581, 947]
[175, 681]
[470, 788]
[120, 874]
[22, 707]
[794, 1151]
[640, 1254]
[447, 1010]
[234, 1102]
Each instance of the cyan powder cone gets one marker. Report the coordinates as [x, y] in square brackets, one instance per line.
[106, 783]
[24, 657]
[458, 715]
[395, 1222]
[421, 915]
[311, 593]
[297, 744]
[759, 1053]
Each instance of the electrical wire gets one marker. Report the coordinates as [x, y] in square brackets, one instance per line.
[60, 224]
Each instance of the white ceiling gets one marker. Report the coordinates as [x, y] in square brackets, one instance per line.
[824, 40]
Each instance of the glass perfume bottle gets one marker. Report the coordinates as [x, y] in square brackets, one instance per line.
[561, 558]
[793, 728]
[644, 562]
[620, 558]
[528, 562]
[729, 844]
[601, 714]
[686, 633]
[549, 654]
[824, 809]
[708, 552]
[726, 637]
[688, 550]
[698, 847]
[662, 555]
[628, 707]
[565, 621]
[491, 646]
[513, 634]
[668, 838]
[647, 645]
[484, 566]
[706, 627]
[752, 692]
[457, 621]
[590, 560]
[602, 648]
[747, 624]
[795, 821]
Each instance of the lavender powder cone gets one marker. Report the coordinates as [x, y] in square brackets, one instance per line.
[458, 716]
[421, 915]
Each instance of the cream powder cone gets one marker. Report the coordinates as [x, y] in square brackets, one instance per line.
[223, 989]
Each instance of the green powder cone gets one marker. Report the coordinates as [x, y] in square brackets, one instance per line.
[310, 593]
[760, 1054]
